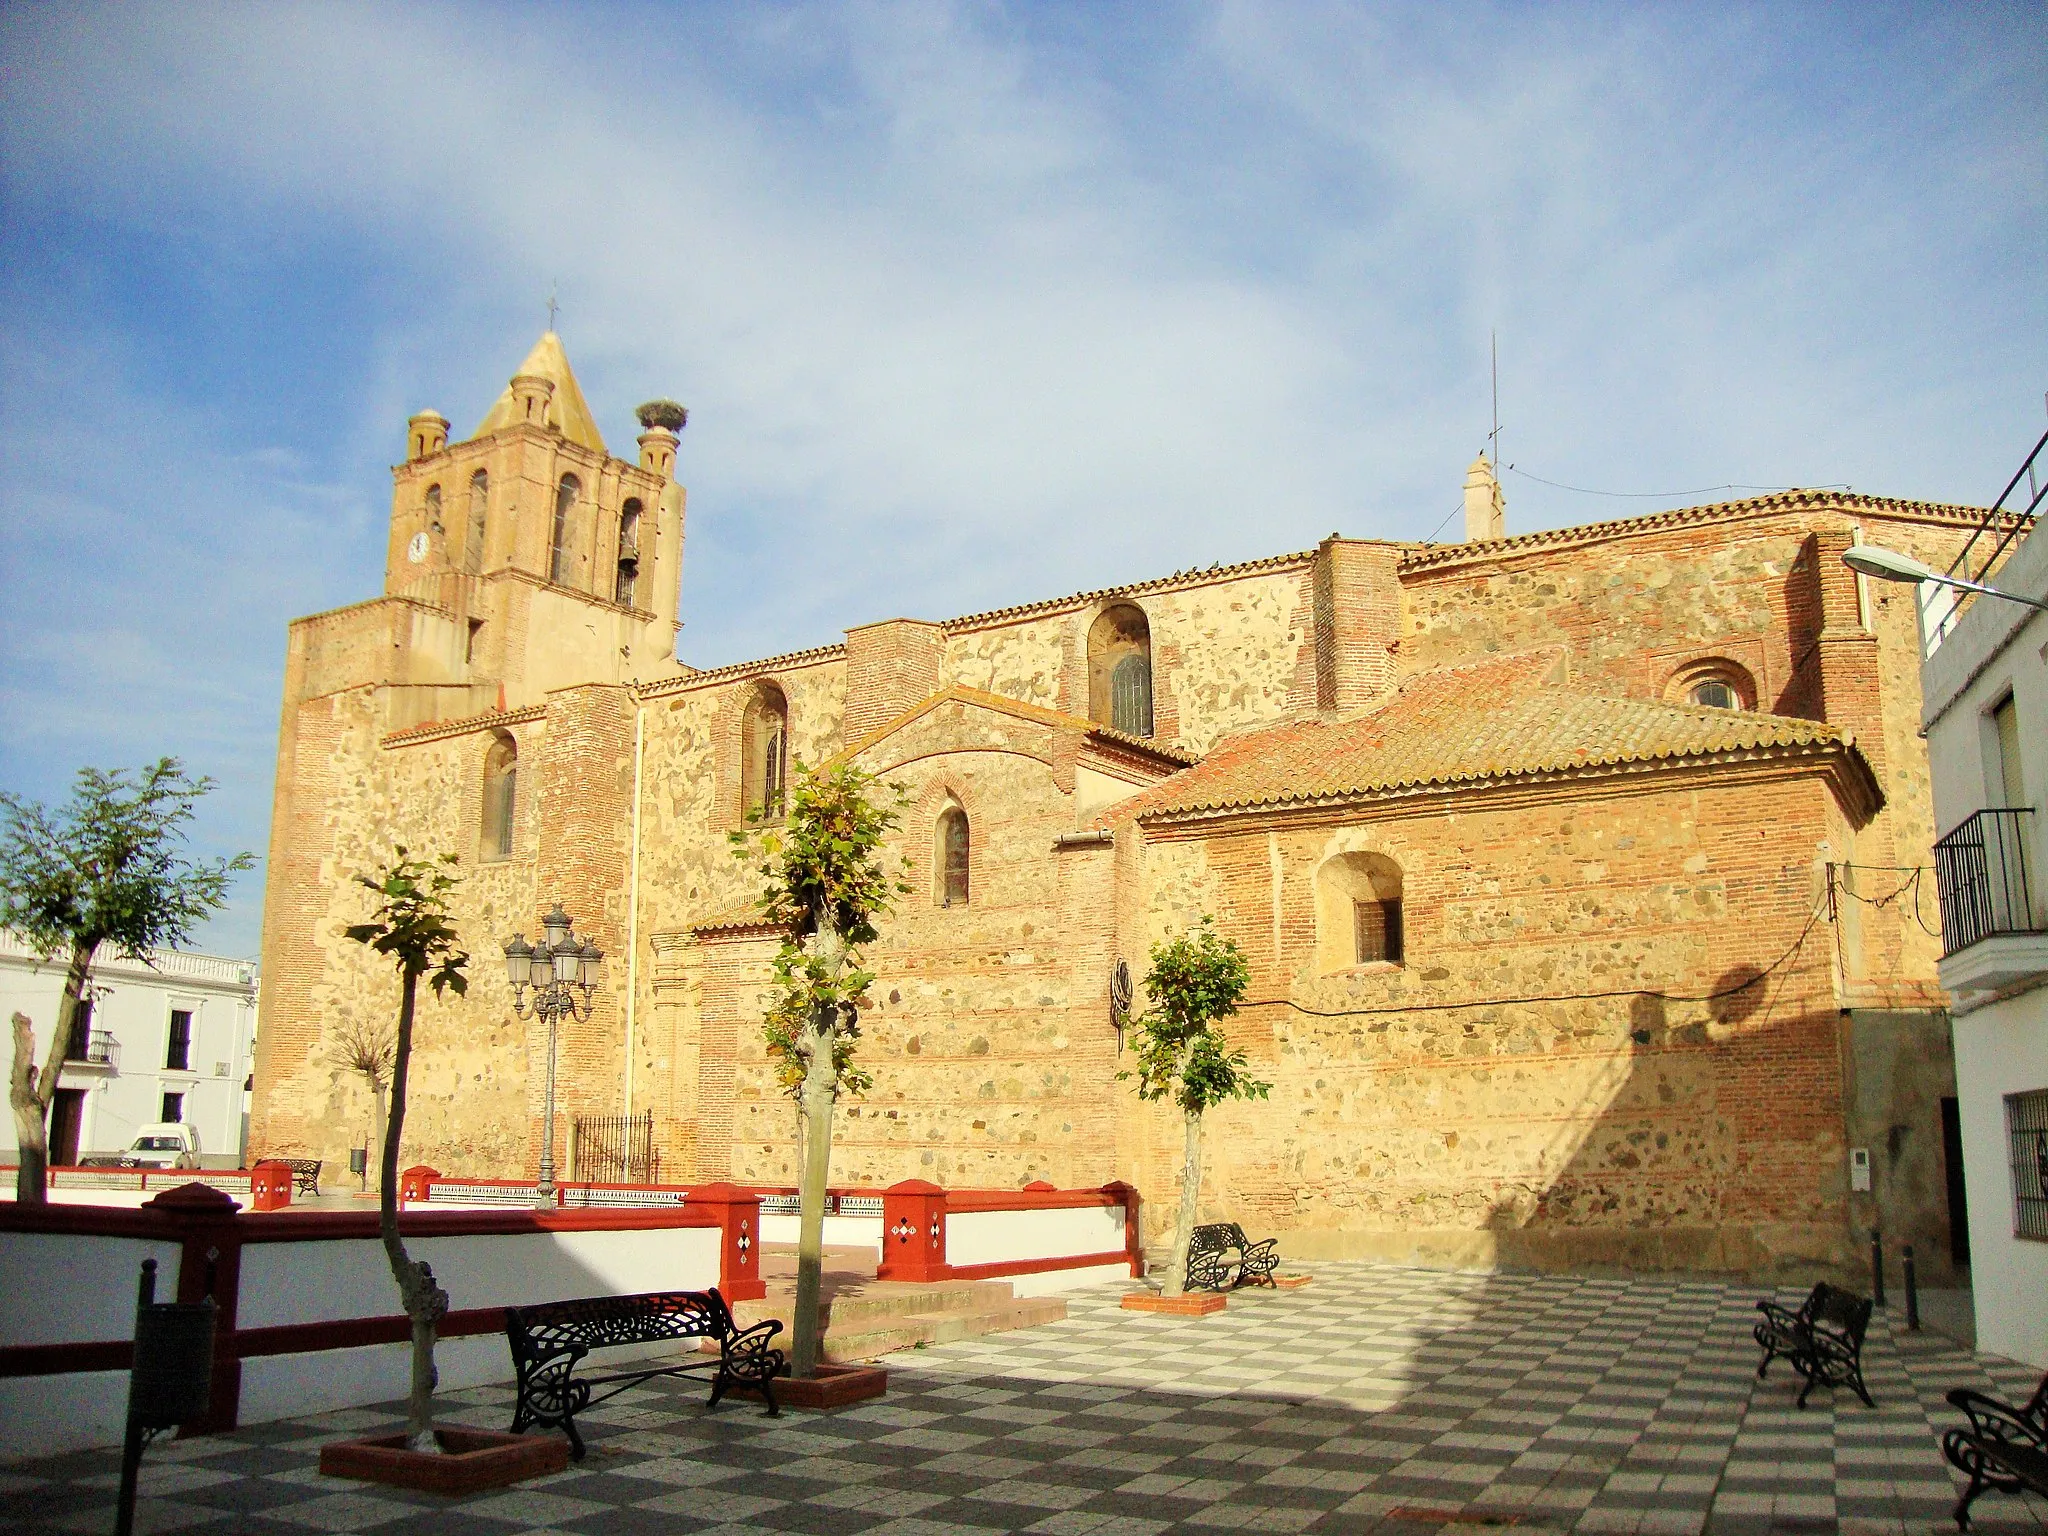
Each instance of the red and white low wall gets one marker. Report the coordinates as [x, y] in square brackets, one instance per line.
[308, 1315]
[1040, 1239]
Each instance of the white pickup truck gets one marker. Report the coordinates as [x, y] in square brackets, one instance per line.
[164, 1145]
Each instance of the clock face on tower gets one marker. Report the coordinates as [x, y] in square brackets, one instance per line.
[416, 551]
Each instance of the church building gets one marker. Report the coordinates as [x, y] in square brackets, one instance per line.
[1579, 871]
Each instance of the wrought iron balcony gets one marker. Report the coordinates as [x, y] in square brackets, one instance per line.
[1980, 870]
[92, 1048]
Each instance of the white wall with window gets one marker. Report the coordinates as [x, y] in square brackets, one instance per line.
[171, 1041]
[1986, 719]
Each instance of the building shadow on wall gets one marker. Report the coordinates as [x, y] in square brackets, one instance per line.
[1700, 1159]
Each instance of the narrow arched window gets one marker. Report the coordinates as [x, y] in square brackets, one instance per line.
[629, 554]
[953, 858]
[501, 796]
[764, 751]
[559, 559]
[434, 508]
[1120, 670]
[473, 540]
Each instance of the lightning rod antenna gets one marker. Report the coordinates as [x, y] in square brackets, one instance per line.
[1493, 437]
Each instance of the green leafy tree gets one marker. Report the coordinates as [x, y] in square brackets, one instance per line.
[1194, 981]
[106, 869]
[410, 927]
[825, 887]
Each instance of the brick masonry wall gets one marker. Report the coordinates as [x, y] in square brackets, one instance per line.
[1444, 1110]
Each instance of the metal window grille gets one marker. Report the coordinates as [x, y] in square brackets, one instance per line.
[616, 1149]
[1130, 696]
[2026, 1133]
[1980, 873]
[953, 849]
[1378, 930]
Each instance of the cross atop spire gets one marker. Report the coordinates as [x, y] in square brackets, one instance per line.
[552, 306]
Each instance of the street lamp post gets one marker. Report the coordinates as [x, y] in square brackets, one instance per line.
[563, 972]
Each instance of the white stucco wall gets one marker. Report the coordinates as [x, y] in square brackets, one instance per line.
[1997, 649]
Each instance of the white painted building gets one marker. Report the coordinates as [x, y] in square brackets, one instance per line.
[1986, 722]
[173, 1040]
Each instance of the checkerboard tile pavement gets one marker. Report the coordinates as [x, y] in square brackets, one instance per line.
[1386, 1400]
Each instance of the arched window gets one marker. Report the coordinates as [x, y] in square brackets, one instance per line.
[1712, 681]
[559, 559]
[764, 751]
[629, 554]
[473, 541]
[951, 858]
[434, 508]
[1120, 670]
[1359, 915]
[501, 796]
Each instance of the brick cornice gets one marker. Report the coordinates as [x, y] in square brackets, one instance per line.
[1449, 556]
[436, 730]
[1839, 761]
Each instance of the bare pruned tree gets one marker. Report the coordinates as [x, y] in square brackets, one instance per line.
[369, 1049]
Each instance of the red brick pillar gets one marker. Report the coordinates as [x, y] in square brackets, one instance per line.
[913, 1232]
[210, 1264]
[270, 1186]
[416, 1184]
[739, 1244]
[1134, 1243]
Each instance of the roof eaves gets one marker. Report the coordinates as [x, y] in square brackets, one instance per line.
[1439, 556]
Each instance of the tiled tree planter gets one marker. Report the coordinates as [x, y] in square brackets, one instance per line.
[1191, 1304]
[832, 1386]
[470, 1460]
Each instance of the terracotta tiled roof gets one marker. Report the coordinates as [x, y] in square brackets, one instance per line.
[1435, 556]
[738, 918]
[1018, 708]
[1488, 722]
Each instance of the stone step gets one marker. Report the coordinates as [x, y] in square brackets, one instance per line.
[907, 1331]
[875, 1302]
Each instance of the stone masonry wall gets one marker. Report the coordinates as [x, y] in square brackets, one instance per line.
[1518, 1089]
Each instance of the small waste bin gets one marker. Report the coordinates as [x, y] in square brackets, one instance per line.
[170, 1382]
[359, 1165]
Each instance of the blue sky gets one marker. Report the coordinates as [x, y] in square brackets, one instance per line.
[971, 304]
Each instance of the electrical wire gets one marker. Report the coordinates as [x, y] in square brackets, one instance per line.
[1566, 997]
[1439, 528]
[1705, 490]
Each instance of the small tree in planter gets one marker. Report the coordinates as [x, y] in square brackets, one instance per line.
[410, 925]
[1194, 981]
[826, 886]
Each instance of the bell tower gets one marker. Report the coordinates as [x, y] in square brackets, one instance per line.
[546, 561]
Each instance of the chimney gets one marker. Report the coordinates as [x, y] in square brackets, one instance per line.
[425, 434]
[1485, 507]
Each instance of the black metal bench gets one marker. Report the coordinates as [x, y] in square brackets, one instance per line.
[1211, 1266]
[548, 1341]
[305, 1173]
[1823, 1339]
[2004, 1448]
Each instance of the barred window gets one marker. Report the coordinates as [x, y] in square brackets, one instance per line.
[951, 887]
[2026, 1132]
